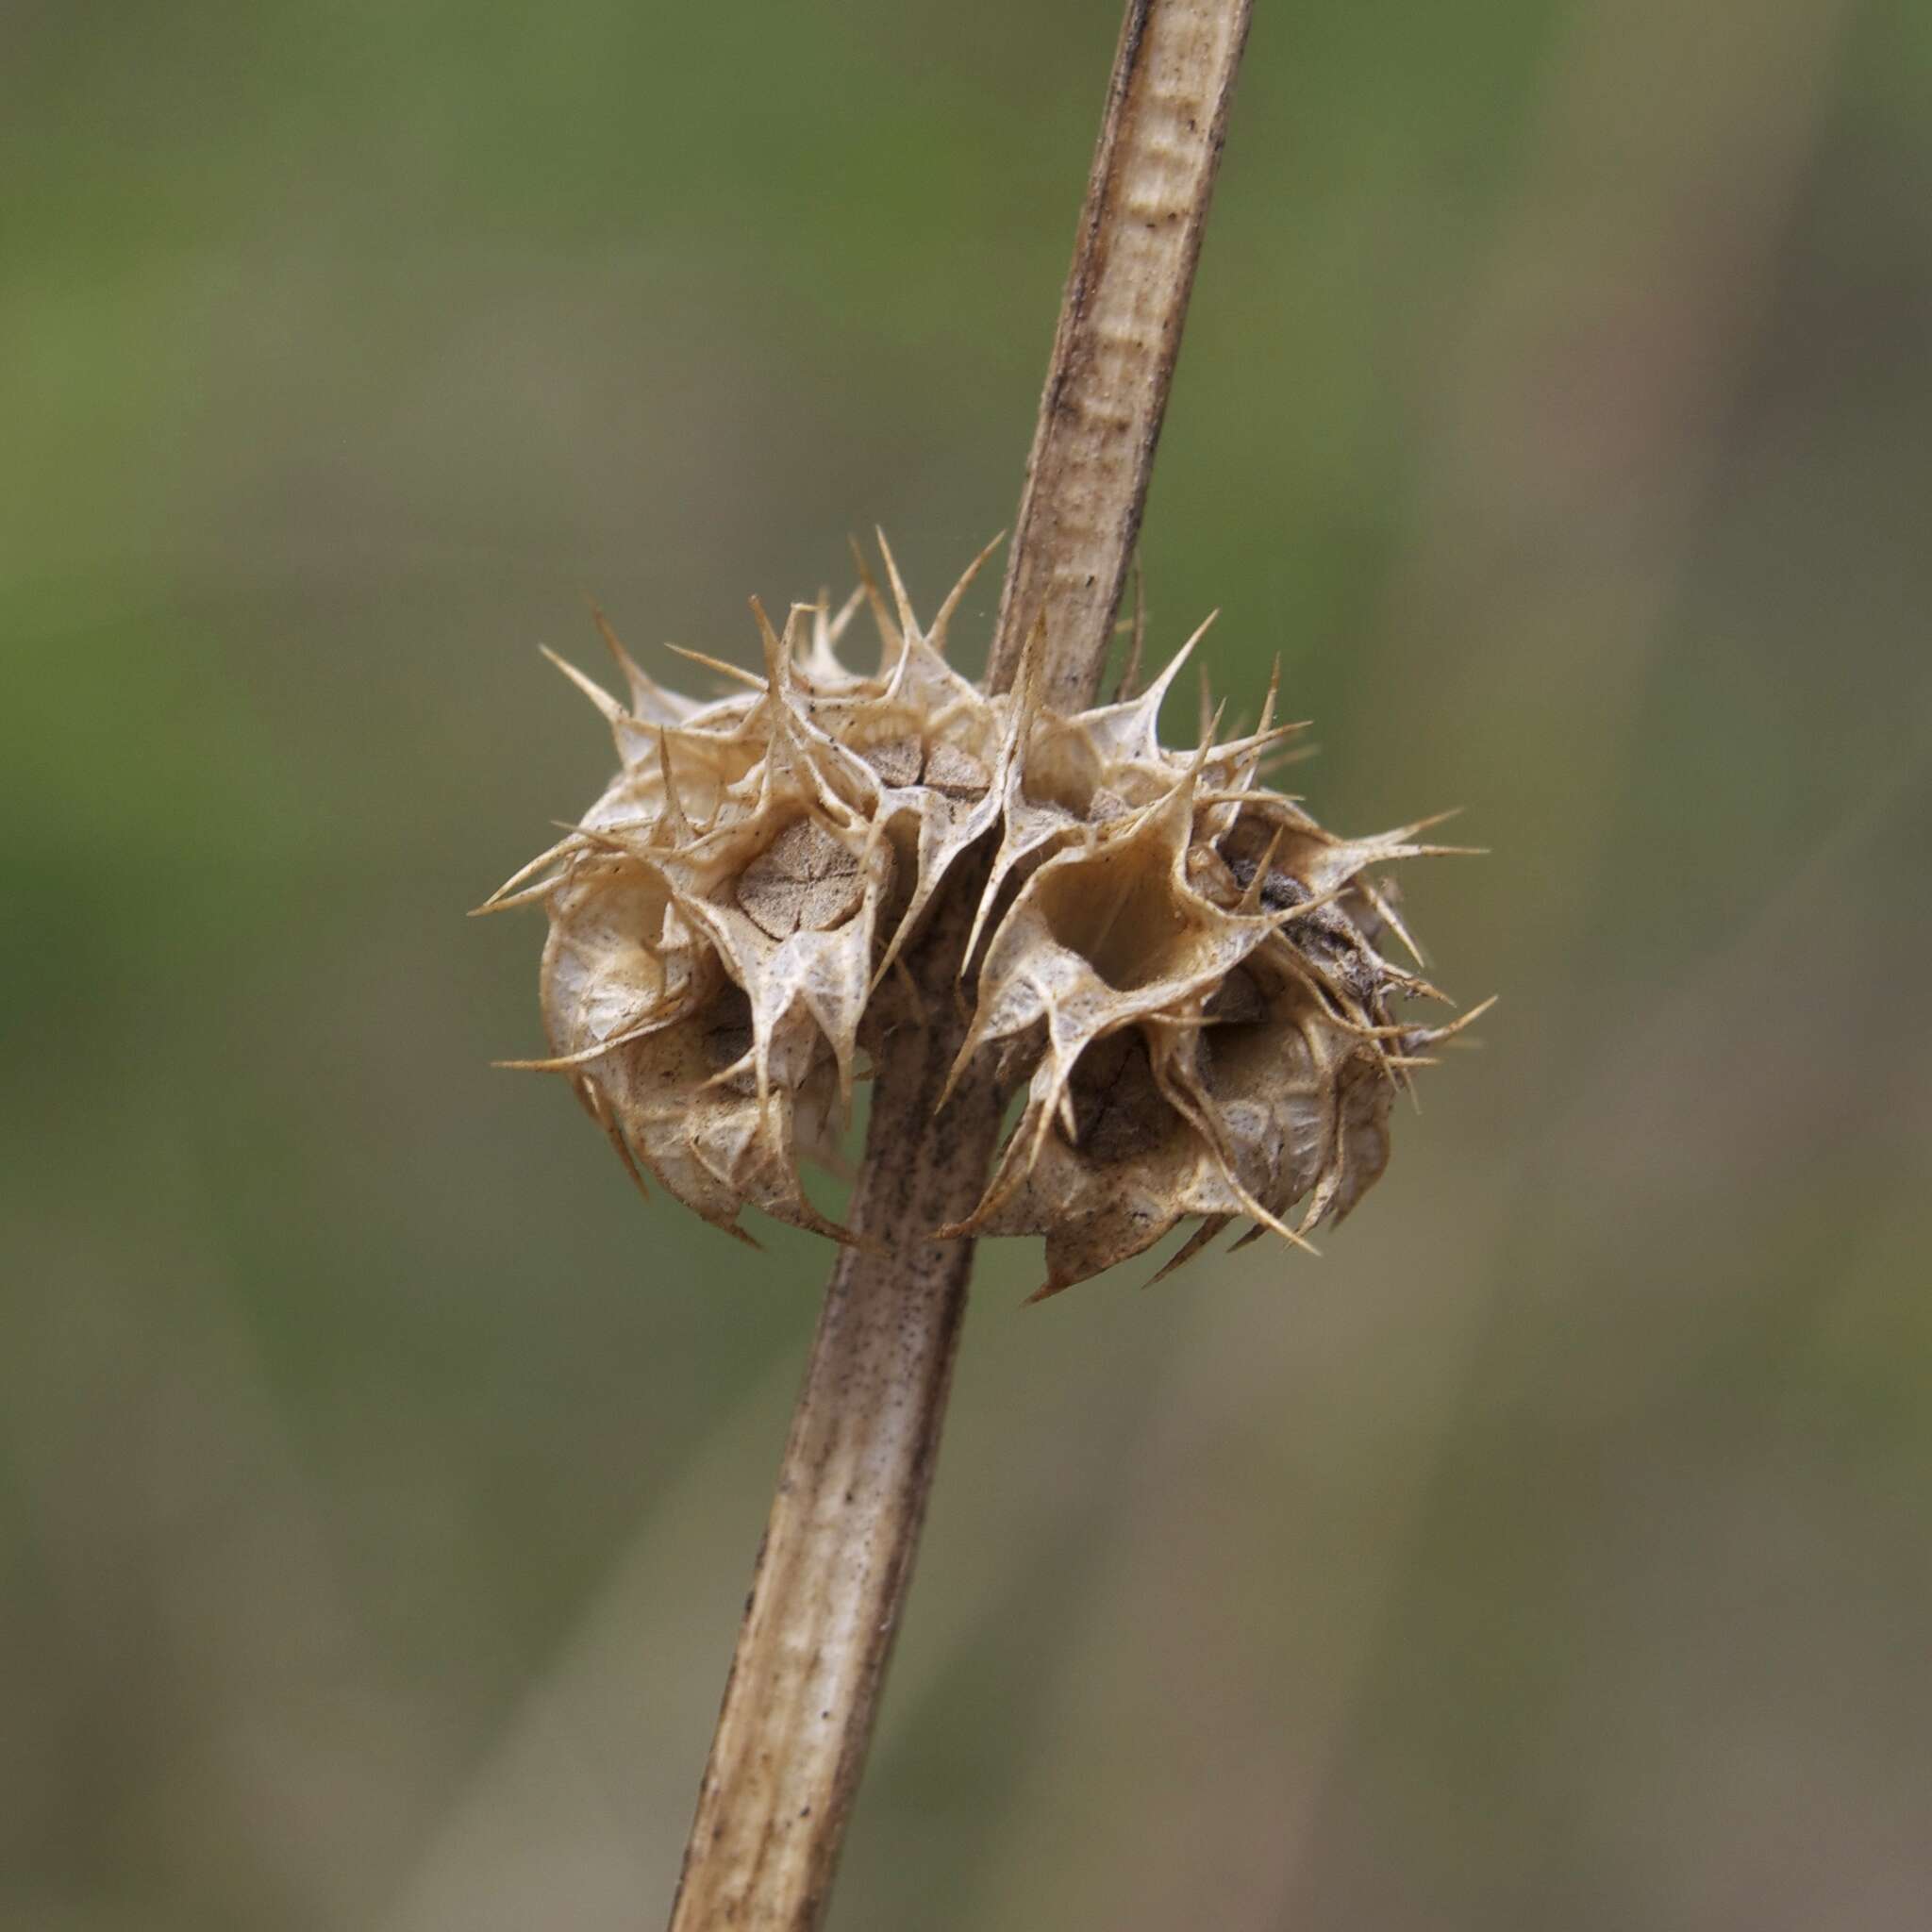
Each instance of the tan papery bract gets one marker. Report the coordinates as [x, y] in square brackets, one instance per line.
[1179, 965]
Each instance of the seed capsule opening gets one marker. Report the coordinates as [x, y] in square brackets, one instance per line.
[1120, 916]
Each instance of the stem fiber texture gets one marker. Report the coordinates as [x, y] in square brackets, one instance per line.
[837, 1557]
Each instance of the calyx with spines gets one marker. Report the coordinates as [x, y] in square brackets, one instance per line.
[1178, 964]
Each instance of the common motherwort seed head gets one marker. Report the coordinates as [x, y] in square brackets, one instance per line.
[1179, 964]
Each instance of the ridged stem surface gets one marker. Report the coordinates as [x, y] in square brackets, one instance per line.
[852, 1488]
[1120, 332]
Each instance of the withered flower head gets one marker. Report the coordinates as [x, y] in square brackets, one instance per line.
[1179, 964]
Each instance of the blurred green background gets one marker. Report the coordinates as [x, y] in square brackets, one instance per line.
[379, 1479]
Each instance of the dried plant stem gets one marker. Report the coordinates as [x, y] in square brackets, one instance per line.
[838, 1551]
[852, 1490]
[1120, 331]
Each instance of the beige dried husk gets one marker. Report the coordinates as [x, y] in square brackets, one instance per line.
[1178, 964]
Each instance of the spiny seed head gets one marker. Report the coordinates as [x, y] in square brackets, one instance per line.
[1179, 964]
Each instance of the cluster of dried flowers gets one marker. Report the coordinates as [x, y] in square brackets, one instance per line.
[1178, 964]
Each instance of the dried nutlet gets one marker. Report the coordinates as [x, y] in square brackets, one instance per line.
[1179, 964]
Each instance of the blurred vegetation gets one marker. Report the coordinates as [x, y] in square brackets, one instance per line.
[379, 1479]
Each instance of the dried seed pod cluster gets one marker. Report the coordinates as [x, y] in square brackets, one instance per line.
[1179, 964]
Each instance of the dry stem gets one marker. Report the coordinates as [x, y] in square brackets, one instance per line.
[1120, 331]
[852, 1487]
